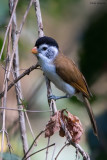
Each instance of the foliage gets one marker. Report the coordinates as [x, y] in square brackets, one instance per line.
[8, 156]
[3, 55]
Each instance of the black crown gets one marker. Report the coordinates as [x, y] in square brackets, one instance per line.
[46, 40]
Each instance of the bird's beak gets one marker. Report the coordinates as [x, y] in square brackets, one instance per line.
[34, 50]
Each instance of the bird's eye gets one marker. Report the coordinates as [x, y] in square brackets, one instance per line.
[44, 48]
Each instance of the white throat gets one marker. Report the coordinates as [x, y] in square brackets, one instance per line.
[48, 55]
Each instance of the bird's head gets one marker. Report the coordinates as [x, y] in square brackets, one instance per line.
[46, 47]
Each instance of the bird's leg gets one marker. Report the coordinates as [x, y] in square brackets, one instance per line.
[57, 97]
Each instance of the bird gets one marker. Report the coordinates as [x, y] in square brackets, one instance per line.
[63, 73]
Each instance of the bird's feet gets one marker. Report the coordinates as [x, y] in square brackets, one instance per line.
[57, 97]
[52, 97]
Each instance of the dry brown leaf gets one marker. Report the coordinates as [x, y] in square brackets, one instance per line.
[62, 132]
[71, 122]
[53, 125]
[73, 125]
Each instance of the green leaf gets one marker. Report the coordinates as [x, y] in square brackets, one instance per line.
[8, 156]
[3, 54]
[23, 103]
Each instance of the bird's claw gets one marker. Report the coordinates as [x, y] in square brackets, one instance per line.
[57, 97]
[52, 97]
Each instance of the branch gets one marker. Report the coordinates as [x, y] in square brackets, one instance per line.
[8, 28]
[47, 148]
[39, 18]
[26, 72]
[25, 110]
[4, 102]
[77, 146]
[17, 37]
[40, 150]
[15, 61]
[53, 152]
[61, 150]
[33, 144]
[30, 127]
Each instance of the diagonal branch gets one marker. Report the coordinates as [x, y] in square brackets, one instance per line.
[77, 146]
[40, 150]
[26, 72]
[61, 150]
[33, 144]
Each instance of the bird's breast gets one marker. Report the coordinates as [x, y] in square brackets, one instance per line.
[50, 72]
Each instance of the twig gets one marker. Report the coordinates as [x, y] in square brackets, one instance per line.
[39, 18]
[29, 124]
[61, 150]
[4, 102]
[15, 61]
[40, 150]
[26, 72]
[22, 69]
[51, 102]
[53, 152]
[8, 28]
[47, 149]
[8, 142]
[33, 144]
[53, 107]
[49, 90]
[77, 155]
[25, 110]
[77, 146]
[17, 37]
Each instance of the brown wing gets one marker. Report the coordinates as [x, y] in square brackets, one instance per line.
[68, 71]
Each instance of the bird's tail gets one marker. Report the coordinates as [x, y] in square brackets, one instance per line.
[91, 115]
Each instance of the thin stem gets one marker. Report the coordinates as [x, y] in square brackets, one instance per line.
[61, 151]
[24, 110]
[53, 152]
[39, 18]
[26, 72]
[40, 150]
[31, 130]
[6, 33]
[15, 62]
[17, 37]
[33, 144]
[47, 149]
[4, 101]
[77, 146]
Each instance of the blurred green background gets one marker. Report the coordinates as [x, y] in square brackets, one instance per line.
[80, 28]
